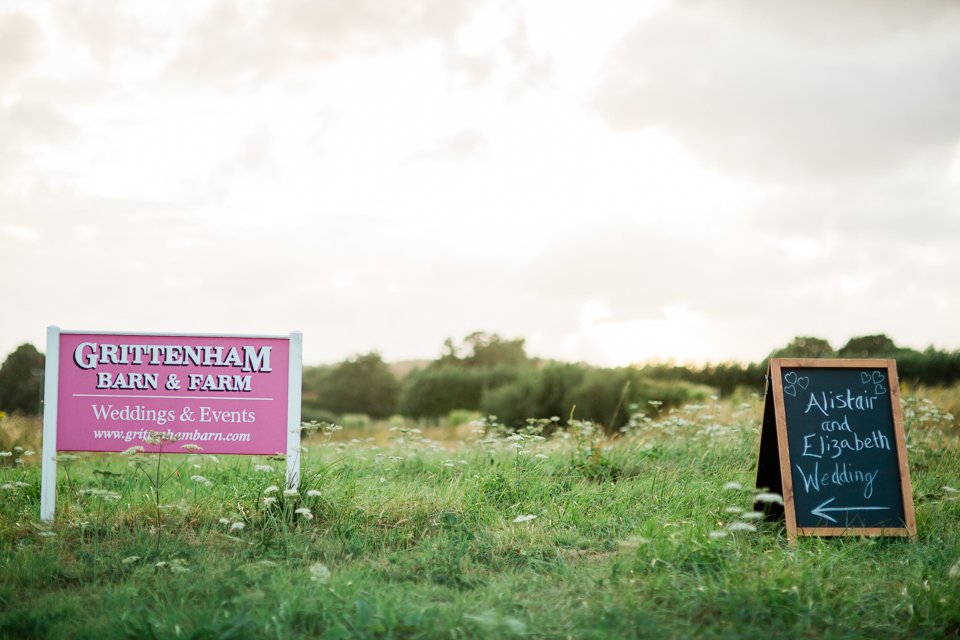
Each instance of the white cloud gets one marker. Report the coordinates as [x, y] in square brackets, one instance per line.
[20, 41]
[775, 89]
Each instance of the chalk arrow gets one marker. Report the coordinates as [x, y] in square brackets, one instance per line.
[821, 510]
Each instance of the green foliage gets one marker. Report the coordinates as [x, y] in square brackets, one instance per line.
[553, 394]
[493, 375]
[599, 395]
[805, 347]
[513, 403]
[725, 378]
[362, 384]
[589, 457]
[435, 391]
[459, 417]
[930, 367]
[875, 346]
[21, 381]
[605, 394]
[485, 350]
[356, 421]
[438, 390]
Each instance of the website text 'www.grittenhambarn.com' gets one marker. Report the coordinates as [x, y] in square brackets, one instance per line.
[136, 435]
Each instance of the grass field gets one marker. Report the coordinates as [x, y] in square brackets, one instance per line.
[393, 535]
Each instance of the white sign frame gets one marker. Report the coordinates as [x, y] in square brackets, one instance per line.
[48, 469]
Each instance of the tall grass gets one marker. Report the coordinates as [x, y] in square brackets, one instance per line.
[503, 535]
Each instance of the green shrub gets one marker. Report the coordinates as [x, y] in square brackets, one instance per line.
[21, 378]
[435, 391]
[605, 395]
[458, 417]
[355, 421]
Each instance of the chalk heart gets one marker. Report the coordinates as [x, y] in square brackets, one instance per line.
[878, 378]
[790, 377]
[879, 390]
[803, 382]
[865, 377]
[790, 390]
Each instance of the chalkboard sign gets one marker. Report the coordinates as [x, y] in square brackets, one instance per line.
[832, 444]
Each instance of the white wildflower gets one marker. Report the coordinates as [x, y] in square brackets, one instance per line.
[313, 493]
[751, 515]
[201, 480]
[237, 526]
[305, 512]
[112, 496]
[769, 498]
[716, 535]
[740, 526]
[179, 565]
[191, 447]
[46, 534]
[733, 510]
[271, 489]
[161, 437]
[525, 518]
[262, 468]
[5, 454]
[130, 559]
[319, 572]
[291, 493]
[631, 543]
[269, 500]
[733, 486]
[223, 521]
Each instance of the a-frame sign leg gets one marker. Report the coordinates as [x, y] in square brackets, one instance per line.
[769, 476]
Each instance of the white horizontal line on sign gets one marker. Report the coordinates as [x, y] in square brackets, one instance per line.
[101, 395]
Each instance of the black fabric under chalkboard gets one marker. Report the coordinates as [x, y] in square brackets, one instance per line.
[843, 449]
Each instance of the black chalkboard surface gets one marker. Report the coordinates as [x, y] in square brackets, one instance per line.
[832, 444]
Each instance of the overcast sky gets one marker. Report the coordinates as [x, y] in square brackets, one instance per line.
[614, 181]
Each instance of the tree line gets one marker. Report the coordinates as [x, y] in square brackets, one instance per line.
[494, 375]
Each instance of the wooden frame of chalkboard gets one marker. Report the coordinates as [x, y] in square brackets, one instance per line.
[833, 430]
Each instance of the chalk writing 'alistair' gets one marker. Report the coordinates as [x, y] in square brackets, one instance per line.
[88, 355]
[844, 401]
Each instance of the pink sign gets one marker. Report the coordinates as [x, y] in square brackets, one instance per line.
[223, 394]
